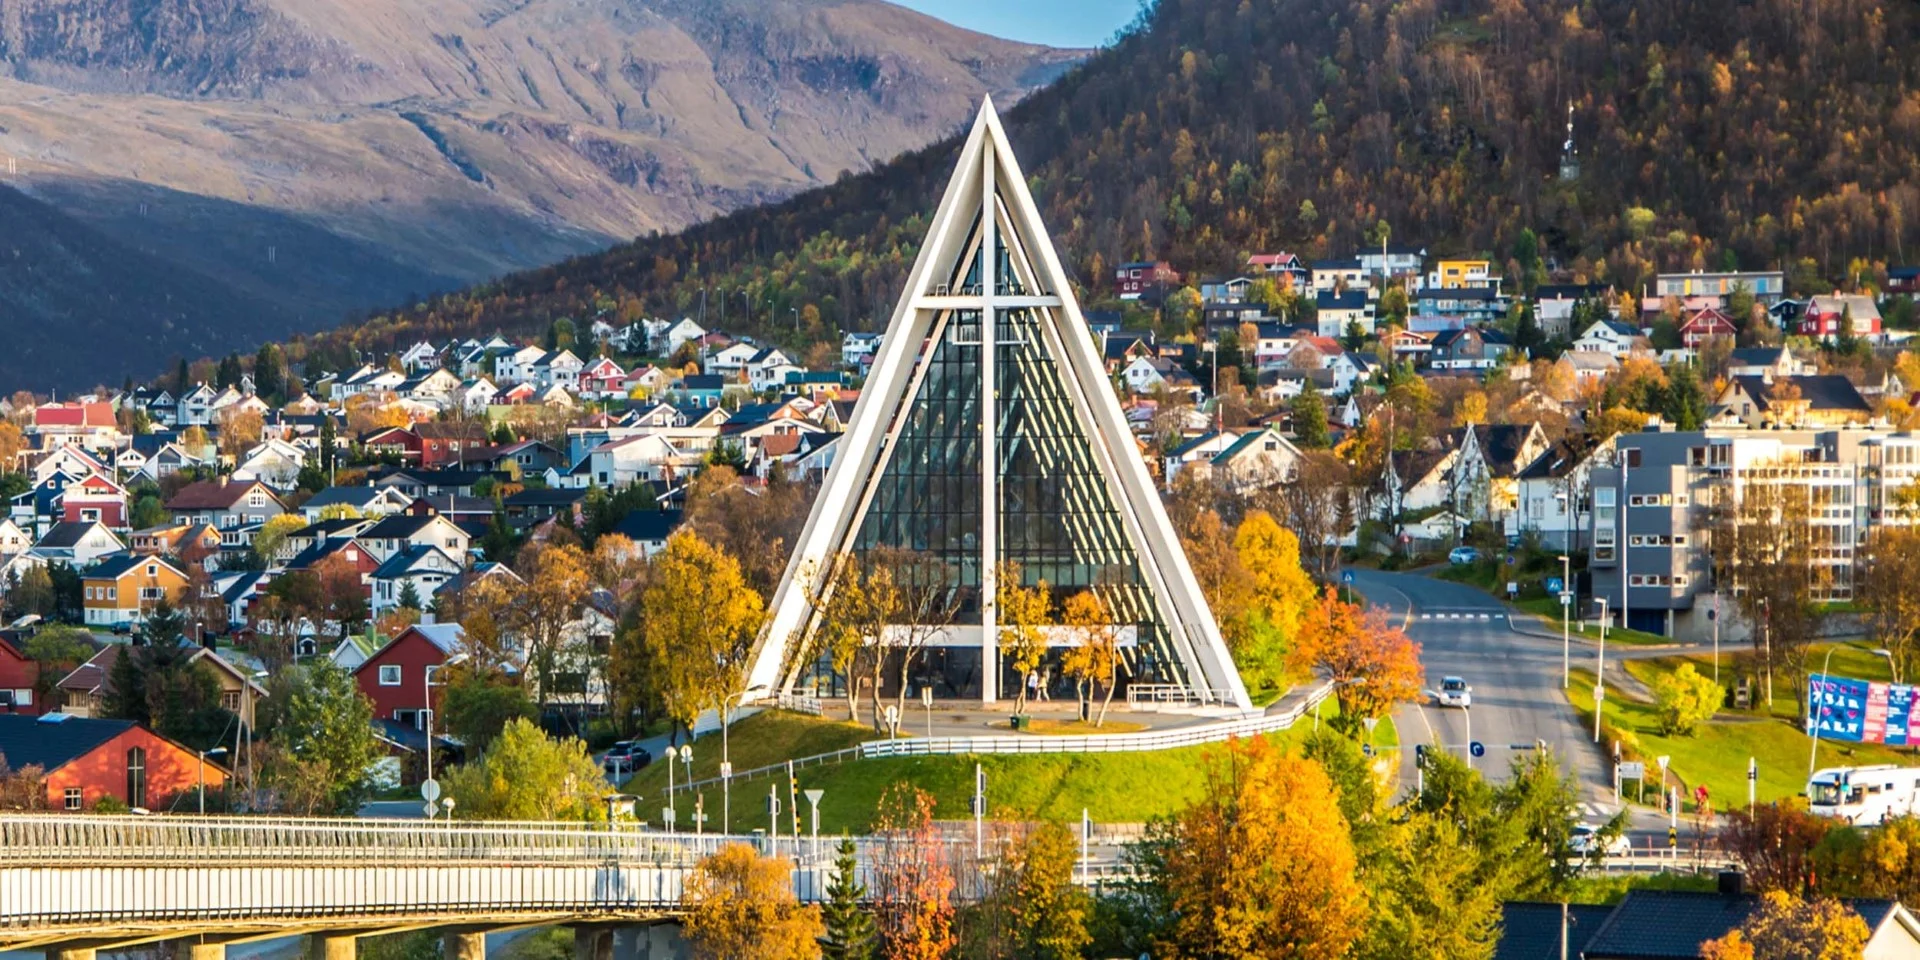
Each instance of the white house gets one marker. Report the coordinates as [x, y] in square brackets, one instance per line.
[1611, 337]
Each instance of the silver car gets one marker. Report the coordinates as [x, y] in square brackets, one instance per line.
[1454, 692]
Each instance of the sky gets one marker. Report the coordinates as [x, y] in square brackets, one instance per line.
[1059, 23]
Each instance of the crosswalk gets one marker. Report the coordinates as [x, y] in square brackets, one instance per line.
[1591, 811]
[1462, 615]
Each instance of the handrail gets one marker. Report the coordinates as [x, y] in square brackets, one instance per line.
[1197, 735]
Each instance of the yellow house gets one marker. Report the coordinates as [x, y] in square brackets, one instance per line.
[1459, 274]
[121, 589]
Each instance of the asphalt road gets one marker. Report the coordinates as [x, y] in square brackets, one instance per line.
[1515, 678]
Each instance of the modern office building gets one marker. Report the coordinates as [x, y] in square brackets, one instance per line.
[1653, 494]
[988, 432]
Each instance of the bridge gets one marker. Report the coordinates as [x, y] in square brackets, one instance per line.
[76, 885]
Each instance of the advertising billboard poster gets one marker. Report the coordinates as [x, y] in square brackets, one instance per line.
[1862, 711]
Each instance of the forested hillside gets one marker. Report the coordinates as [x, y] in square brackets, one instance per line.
[1710, 131]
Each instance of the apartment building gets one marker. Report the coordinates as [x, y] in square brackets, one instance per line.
[1651, 499]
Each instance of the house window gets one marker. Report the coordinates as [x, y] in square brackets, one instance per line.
[137, 777]
[73, 798]
[390, 675]
[153, 570]
[113, 593]
[152, 593]
[230, 701]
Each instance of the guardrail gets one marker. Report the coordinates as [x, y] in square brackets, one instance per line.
[1192, 736]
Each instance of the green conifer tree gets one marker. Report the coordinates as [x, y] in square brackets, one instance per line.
[851, 934]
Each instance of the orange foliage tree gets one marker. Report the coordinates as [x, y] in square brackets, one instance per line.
[912, 880]
[1371, 662]
[1263, 866]
[1786, 927]
[740, 904]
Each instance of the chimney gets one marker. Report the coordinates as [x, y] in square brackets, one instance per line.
[426, 618]
[1732, 883]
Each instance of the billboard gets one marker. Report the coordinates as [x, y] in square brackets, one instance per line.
[1863, 711]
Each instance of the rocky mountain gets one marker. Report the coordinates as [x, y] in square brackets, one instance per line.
[328, 155]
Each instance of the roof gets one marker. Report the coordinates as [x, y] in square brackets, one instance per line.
[1191, 445]
[648, 525]
[68, 533]
[115, 567]
[52, 743]
[703, 381]
[1500, 445]
[1829, 391]
[1350, 300]
[1667, 924]
[1757, 356]
[398, 527]
[92, 675]
[546, 497]
[211, 494]
[1531, 931]
[402, 563]
[1569, 291]
[1561, 457]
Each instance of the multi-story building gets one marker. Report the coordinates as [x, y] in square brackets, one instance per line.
[1653, 499]
[1767, 286]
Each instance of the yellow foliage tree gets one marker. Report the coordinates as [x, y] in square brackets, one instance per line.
[699, 621]
[1023, 616]
[525, 775]
[1095, 658]
[1279, 595]
[1786, 927]
[741, 905]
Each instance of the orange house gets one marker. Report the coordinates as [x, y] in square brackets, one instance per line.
[121, 589]
[84, 760]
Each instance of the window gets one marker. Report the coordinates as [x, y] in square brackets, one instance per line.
[390, 675]
[152, 593]
[153, 569]
[113, 593]
[73, 798]
[137, 777]
[230, 701]
[90, 593]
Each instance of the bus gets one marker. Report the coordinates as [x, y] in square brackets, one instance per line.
[1865, 796]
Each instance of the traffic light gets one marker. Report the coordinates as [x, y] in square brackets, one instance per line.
[1420, 754]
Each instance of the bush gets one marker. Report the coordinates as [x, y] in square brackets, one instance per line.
[1683, 699]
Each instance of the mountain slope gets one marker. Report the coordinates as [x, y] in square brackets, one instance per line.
[436, 142]
[81, 309]
[1710, 131]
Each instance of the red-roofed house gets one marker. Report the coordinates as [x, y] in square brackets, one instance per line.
[89, 423]
[603, 378]
[398, 442]
[396, 676]
[1822, 317]
[225, 505]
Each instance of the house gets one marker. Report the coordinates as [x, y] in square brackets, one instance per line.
[1828, 400]
[701, 390]
[1257, 460]
[274, 462]
[88, 423]
[858, 349]
[399, 676]
[85, 760]
[1286, 269]
[649, 529]
[539, 504]
[1703, 325]
[1903, 281]
[78, 544]
[13, 540]
[1672, 925]
[226, 505]
[121, 590]
[1486, 484]
[1418, 480]
[519, 365]
[1410, 345]
[1553, 305]
[648, 381]
[1392, 260]
[398, 443]
[1765, 362]
[603, 378]
[1611, 337]
[195, 540]
[449, 442]
[769, 368]
[18, 677]
[396, 534]
[1455, 274]
[421, 357]
[1283, 384]
[1225, 289]
[361, 501]
[94, 499]
[1552, 493]
[1147, 374]
[1766, 286]
[1470, 305]
[683, 331]
[1330, 275]
[423, 568]
[1337, 312]
[559, 368]
[475, 394]
[172, 458]
[1148, 280]
[1823, 316]
[435, 388]
[732, 358]
[1474, 348]
[1589, 365]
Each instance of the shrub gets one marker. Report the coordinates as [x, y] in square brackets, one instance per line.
[1683, 699]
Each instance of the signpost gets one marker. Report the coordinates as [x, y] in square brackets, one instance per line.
[813, 797]
[1753, 782]
[979, 811]
[1477, 748]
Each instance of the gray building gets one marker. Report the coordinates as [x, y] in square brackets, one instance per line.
[1652, 498]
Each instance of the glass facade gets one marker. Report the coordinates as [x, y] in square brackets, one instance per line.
[1057, 516]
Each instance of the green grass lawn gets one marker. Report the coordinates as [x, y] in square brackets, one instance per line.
[1548, 609]
[1112, 787]
[1717, 752]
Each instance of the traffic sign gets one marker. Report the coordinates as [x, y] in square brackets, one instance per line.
[429, 790]
[431, 809]
[1366, 749]
[1556, 585]
[1477, 748]
[1662, 760]
[1599, 692]
[1633, 770]
[726, 770]
[1420, 754]
[1346, 576]
[1566, 599]
[1753, 769]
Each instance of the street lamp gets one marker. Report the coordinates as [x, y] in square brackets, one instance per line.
[204, 754]
[426, 688]
[1566, 620]
[1600, 673]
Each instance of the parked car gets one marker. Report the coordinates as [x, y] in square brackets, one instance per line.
[1462, 556]
[625, 757]
[1586, 837]
[1454, 692]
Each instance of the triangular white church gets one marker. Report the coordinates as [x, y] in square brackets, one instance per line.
[1065, 491]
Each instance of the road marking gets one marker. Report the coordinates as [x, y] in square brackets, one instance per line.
[1426, 616]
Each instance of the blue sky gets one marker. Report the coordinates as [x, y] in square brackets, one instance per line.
[1061, 23]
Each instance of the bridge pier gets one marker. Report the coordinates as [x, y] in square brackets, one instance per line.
[461, 945]
[324, 946]
[591, 942]
[206, 951]
[70, 953]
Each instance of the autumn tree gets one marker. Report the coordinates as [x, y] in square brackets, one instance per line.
[740, 904]
[1049, 912]
[1889, 570]
[860, 602]
[526, 775]
[700, 622]
[1262, 865]
[1683, 699]
[273, 535]
[321, 728]
[1763, 548]
[1316, 504]
[1786, 927]
[556, 585]
[927, 605]
[1371, 663]
[1094, 659]
[240, 430]
[340, 592]
[1280, 594]
[913, 883]
[1024, 612]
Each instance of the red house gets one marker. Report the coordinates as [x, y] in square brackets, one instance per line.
[95, 500]
[1148, 281]
[17, 677]
[603, 378]
[1704, 325]
[395, 678]
[1823, 314]
[448, 443]
[84, 760]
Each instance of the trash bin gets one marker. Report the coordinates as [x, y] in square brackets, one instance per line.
[1022, 722]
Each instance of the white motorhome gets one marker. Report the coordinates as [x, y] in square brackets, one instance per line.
[1865, 796]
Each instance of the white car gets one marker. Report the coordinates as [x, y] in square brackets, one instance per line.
[1454, 692]
[1586, 836]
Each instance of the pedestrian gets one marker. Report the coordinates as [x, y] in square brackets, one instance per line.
[1033, 685]
[1046, 681]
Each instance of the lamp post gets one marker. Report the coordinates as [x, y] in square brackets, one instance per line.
[1566, 620]
[1813, 709]
[926, 700]
[204, 754]
[1213, 360]
[1600, 673]
[686, 763]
